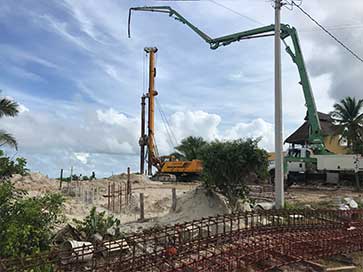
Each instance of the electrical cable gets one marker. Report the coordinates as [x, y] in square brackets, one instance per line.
[328, 32]
[236, 12]
[218, 4]
[333, 28]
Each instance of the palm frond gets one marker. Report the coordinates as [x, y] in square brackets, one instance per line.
[8, 107]
[8, 139]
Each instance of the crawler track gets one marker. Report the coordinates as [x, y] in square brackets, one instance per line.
[261, 241]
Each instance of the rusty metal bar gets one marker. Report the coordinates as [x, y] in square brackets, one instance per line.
[260, 240]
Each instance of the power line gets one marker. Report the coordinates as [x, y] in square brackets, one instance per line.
[334, 28]
[236, 12]
[329, 33]
[218, 4]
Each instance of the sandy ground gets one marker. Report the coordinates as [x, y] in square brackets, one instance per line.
[192, 201]
[81, 196]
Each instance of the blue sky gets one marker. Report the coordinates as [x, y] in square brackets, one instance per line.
[79, 78]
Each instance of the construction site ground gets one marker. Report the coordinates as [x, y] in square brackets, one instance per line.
[193, 202]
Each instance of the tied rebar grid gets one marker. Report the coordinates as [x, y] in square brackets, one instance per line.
[231, 242]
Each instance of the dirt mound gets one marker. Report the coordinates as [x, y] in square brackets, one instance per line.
[196, 204]
[35, 183]
[134, 178]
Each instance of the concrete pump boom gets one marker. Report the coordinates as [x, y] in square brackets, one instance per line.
[316, 140]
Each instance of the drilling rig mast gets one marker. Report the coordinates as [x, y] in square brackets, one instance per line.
[151, 108]
[168, 168]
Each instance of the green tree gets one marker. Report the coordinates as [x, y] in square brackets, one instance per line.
[191, 147]
[8, 108]
[348, 119]
[227, 166]
[26, 223]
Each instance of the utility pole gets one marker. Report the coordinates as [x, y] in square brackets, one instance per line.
[279, 170]
[151, 95]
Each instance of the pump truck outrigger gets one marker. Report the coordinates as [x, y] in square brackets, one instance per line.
[314, 157]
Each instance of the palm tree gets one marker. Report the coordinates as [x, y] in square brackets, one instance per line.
[191, 147]
[348, 119]
[8, 108]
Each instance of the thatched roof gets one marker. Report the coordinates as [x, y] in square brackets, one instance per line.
[301, 135]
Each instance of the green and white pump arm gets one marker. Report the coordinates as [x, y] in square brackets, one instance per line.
[316, 140]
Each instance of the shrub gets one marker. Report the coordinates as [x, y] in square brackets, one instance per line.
[227, 165]
[98, 223]
[9, 167]
[26, 223]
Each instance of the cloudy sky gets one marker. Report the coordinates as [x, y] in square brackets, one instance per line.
[79, 78]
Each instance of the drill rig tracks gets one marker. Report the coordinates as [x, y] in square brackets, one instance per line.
[234, 242]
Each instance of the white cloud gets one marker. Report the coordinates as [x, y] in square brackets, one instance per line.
[22, 108]
[20, 56]
[198, 123]
[113, 117]
[61, 28]
[82, 157]
[254, 129]
[208, 126]
[83, 134]
[79, 130]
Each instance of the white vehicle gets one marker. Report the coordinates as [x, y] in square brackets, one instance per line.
[301, 164]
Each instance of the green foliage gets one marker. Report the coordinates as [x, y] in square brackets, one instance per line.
[227, 165]
[8, 108]
[8, 139]
[348, 118]
[358, 147]
[98, 222]
[191, 147]
[75, 177]
[26, 223]
[9, 167]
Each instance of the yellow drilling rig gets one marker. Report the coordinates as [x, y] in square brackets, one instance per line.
[168, 167]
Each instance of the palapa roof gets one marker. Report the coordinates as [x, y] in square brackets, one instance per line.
[301, 135]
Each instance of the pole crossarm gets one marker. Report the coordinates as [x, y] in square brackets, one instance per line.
[315, 136]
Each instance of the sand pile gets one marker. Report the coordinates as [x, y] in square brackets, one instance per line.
[35, 183]
[196, 204]
[134, 178]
